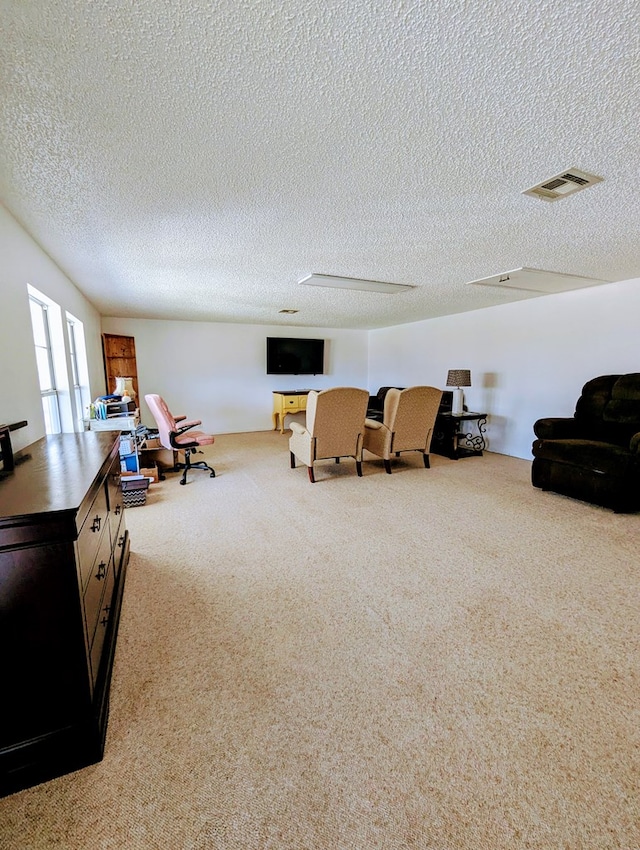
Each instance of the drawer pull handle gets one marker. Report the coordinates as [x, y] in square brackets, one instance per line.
[104, 621]
[118, 509]
[121, 541]
[102, 571]
[97, 520]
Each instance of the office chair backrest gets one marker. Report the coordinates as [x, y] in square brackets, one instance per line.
[164, 418]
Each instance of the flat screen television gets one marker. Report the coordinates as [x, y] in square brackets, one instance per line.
[294, 356]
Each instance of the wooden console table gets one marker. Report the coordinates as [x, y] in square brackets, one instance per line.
[287, 401]
[451, 440]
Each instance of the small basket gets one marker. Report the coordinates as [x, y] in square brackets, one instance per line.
[134, 498]
[134, 490]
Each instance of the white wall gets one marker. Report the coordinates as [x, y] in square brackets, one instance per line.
[23, 262]
[216, 372]
[528, 359]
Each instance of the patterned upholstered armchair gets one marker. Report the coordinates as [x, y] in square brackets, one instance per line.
[334, 428]
[407, 426]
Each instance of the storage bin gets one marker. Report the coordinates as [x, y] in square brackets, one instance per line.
[134, 498]
[134, 490]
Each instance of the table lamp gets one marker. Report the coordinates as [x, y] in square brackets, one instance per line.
[124, 388]
[458, 378]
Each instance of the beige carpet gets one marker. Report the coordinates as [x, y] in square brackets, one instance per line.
[439, 659]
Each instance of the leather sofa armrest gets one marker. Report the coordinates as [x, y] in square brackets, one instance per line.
[556, 428]
[634, 445]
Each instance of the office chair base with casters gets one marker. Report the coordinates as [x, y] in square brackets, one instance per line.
[199, 464]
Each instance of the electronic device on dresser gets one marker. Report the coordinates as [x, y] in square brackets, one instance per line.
[64, 550]
[7, 460]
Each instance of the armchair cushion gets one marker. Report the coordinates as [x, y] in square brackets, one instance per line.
[601, 458]
[556, 428]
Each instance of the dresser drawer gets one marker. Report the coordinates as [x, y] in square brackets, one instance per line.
[102, 624]
[291, 403]
[98, 578]
[91, 534]
[116, 504]
[117, 543]
[114, 487]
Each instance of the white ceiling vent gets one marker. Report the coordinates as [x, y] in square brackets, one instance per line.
[537, 281]
[569, 181]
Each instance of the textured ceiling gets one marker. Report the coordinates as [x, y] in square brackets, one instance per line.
[194, 160]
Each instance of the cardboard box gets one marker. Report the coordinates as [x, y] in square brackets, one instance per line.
[150, 472]
[164, 458]
[151, 443]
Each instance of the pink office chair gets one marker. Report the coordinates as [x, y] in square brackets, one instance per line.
[174, 436]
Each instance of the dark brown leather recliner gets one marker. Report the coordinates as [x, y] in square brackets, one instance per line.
[595, 455]
[375, 408]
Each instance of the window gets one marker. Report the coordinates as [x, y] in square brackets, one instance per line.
[44, 358]
[79, 369]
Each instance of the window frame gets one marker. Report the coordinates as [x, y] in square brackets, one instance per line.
[50, 396]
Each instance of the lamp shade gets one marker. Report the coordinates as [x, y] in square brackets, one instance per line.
[459, 378]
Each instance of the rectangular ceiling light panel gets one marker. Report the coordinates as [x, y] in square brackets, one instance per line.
[336, 282]
[537, 281]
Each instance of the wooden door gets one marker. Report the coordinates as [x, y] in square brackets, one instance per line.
[119, 360]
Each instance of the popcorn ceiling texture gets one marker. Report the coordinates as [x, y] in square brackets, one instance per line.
[194, 160]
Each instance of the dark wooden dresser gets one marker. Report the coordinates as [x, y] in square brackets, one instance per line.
[64, 551]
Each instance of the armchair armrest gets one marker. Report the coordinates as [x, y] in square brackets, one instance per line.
[373, 424]
[558, 428]
[297, 428]
[634, 445]
[179, 418]
[186, 426]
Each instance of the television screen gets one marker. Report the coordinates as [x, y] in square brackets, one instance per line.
[295, 356]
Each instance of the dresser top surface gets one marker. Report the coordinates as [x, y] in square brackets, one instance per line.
[54, 474]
